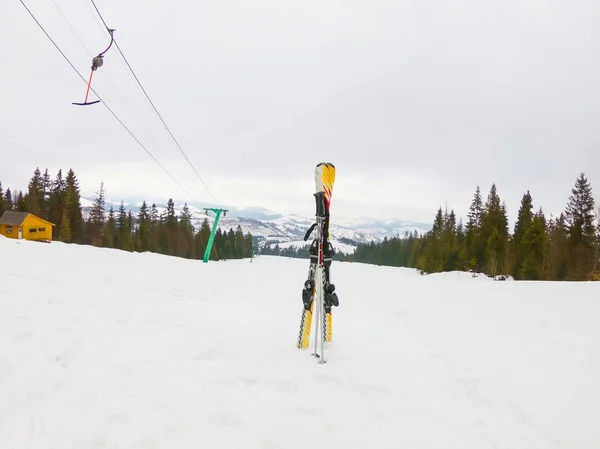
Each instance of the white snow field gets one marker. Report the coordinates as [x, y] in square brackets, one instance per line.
[106, 349]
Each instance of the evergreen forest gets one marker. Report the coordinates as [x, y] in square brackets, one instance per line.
[538, 248]
[58, 200]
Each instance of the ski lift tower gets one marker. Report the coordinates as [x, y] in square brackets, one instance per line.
[214, 230]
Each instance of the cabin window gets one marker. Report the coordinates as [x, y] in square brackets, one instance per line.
[9, 229]
[42, 229]
[32, 230]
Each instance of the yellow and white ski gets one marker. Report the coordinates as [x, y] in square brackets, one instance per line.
[317, 289]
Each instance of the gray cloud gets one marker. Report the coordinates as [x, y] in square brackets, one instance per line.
[415, 102]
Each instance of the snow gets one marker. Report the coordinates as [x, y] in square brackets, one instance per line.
[106, 349]
[296, 243]
[337, 245]
[342, 247]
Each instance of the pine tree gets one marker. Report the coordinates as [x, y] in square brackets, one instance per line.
[450, 252]
[185, 234]
[228, 249]
[216, 250]
[533, 243]
[474, 241]
[171, 218]
[47, 190]
[461, 238]
[431, 261]
[111, 230]
[475, 210]
[154, 217]
[580, 218]
[154, 228]
[524, 223]
[239, 244]
[162, 244]
[170, 232]
[556, 250]
[98, 217]
[57, 203]
[124, 237]
[129, 243]
[34, 198]
[438, 224]
[143, 232]
[73, 207]
[249, 245]
[494, 231]
[20, 204]
[65, 230]
[8, 200]
[417, 250]
[201, 238]
[492, 253]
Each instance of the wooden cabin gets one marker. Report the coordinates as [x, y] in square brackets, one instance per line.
[23, 225]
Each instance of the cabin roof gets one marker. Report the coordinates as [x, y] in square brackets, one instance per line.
[11, 218]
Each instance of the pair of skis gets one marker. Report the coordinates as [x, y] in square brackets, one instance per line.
[318, 294]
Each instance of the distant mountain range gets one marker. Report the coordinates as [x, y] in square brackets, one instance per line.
[270, 228]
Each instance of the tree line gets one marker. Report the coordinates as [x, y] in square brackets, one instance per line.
[58, 200]
[539, 248]
[293, 251]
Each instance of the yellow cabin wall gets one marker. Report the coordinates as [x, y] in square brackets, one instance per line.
[33, 222]
[13, 235]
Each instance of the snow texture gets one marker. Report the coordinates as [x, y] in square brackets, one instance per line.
[105, 349]
[337, 245]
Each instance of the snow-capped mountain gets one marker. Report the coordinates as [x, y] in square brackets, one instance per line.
[270, 228]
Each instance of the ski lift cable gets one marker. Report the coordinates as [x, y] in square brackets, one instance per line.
[155, 109]
[72, 29]
[103, 73]
[103, 28]
[107, 107]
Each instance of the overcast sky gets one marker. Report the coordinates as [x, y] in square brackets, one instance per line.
[415, 102]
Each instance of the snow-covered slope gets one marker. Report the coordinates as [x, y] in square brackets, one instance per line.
[106, 349]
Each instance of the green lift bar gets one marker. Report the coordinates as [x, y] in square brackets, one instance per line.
[214, 230]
